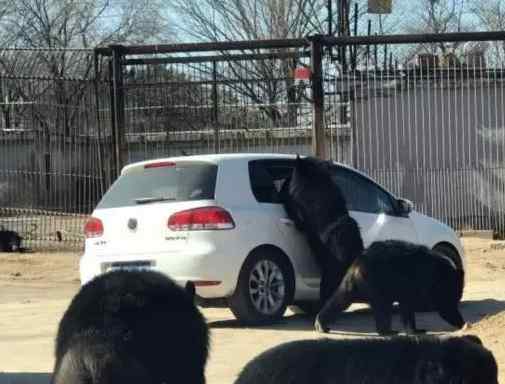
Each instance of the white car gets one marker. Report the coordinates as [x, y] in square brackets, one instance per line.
[216, 220]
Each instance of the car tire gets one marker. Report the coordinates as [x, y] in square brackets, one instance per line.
[265, 288]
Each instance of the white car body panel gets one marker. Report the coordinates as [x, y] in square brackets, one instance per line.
[218, 255]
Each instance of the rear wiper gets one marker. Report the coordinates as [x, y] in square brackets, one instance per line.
[153, 199]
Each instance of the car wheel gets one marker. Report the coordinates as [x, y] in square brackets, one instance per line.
[265, 288]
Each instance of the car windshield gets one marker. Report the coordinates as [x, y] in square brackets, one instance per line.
[168, 182]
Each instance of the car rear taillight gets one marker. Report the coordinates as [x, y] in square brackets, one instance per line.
[205, 218]
[93, 228]
[160, 164]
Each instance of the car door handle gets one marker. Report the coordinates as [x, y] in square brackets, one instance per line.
[287, 221]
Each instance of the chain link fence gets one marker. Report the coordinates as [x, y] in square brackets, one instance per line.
[424, 118]
[50, 163]
[429, 127]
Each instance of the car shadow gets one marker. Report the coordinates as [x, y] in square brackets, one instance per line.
[360, 322]
[24, 378]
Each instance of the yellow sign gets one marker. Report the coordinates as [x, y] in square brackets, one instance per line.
[380, 6]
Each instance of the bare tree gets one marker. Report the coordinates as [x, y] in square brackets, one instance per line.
[438, 16]
[83, 23]
[491, 16]
[229, 20]
[224, 20]
[61, 27]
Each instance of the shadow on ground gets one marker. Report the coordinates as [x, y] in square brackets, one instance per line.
[24, 378]
[359, 322]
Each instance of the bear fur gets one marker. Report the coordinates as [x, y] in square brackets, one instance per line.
[10, 241]
[396, 271]
[131, 327]
[317, 207]
[398, 360]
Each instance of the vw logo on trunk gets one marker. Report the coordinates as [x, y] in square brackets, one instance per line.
[132, 224]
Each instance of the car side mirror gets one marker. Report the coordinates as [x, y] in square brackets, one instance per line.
[405, 206]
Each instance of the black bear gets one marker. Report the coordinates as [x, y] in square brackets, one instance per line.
[316, 205]
[396, 271]
[129, 328]
[397, 360]
[10, 241]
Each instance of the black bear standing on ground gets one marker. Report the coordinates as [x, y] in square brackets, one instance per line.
[396, 271]
[10, 241]
[131, 328]
[399, 360]
[316, 205]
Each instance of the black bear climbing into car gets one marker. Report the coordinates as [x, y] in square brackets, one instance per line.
[129, 328]
[316, 205]
[401, 360]
[396, 271]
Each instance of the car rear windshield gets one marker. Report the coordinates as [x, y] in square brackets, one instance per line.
[162, 182]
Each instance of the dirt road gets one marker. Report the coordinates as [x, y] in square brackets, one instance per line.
[36, 288]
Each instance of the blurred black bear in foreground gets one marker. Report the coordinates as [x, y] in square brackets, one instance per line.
[316, 205]
[131, 328]
[10, 241]
[399, 360]
[396, 271]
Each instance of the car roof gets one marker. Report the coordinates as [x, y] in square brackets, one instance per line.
[215, 158]
[218, 158]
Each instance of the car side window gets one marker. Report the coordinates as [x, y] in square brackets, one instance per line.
[361, 194]
[267, 178]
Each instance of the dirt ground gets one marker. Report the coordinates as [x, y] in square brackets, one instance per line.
[36, 288]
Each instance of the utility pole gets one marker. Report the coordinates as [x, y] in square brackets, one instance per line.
[118, 109]
[318, 129]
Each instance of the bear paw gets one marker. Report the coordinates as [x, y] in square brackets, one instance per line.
[320, 326]
[466, 326]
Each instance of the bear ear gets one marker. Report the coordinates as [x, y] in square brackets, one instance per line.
[473, 339]
[190, 289]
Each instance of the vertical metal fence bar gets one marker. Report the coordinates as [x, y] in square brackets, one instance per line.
[319, 134]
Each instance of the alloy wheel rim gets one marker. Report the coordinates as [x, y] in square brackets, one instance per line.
[267, 287]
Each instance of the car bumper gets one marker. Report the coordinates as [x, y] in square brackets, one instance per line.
[214, 275]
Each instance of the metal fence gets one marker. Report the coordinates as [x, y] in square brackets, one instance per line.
[431, 129]
[420, 114]
[50, 143]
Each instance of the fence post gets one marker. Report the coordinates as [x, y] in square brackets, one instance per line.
[318, 131]
[215, 106]
[101, 170]
[118, 117]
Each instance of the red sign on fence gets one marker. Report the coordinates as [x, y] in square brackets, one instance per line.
[302, 73]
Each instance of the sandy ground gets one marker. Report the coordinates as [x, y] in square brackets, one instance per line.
[36, 288]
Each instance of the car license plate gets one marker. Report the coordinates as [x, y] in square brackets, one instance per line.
[129, 266]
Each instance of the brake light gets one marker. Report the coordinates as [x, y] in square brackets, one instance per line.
[160, 164]
[93, 228]
[205, 218]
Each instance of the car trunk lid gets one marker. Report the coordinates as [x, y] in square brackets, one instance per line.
[135, 210]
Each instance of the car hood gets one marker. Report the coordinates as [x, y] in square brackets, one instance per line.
[431, 232]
